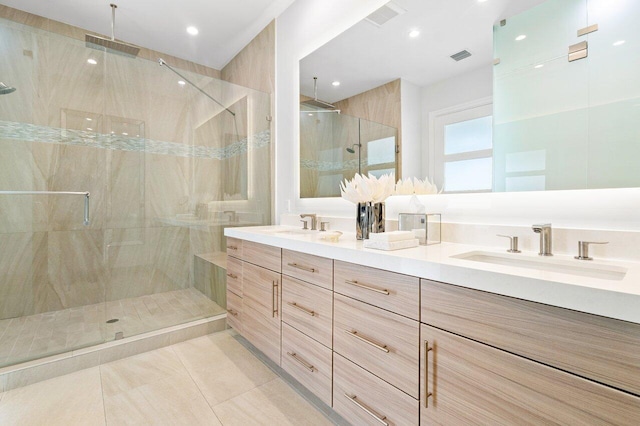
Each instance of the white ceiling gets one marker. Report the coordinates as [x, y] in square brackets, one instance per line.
[226, 26]
[367, 56]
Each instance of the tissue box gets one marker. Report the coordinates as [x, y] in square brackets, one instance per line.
[425, 227]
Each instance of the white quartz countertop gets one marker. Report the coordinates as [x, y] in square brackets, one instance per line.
[614, 298]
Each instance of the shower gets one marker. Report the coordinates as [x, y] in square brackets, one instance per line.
[111, 45]
[316, 103]
[4, 89]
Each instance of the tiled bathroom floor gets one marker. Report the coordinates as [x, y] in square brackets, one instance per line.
[211, 380]
[26, 338]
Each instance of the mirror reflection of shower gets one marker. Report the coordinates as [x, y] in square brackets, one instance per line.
[352, 150]
[4, 89]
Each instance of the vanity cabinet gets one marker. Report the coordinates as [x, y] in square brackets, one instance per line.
[466, 382]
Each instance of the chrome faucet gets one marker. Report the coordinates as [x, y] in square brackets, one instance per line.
[314, 220]
[545, 238]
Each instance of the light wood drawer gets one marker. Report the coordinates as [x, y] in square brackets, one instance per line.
[306, 267]
[395, 292]
[382, 342]
[602, 349]
[472, 383]
[308, 362]
[308, 308]
[234, 247]
[234, 275]
[262, 255]
[360, 397]
[234, 311]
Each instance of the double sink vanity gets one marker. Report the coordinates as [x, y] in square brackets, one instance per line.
[443, 334]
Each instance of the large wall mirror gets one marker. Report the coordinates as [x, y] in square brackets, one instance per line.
[494, 95]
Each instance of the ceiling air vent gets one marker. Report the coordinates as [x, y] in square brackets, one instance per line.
[385, 14]
[460, 55]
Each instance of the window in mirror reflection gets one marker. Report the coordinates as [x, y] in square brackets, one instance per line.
[464, 156]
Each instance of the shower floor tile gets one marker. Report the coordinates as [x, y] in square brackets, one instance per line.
[36, 336]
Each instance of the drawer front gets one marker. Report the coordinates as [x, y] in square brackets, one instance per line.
[234, 247]
[234, 311]
[308, 362]
[306, 267]
[382, 342]
[573, 341]
[394, 292]
[261, 292]
[262, 255]
[308, 308]
[234, 275]
[363, 399]
[471, 383]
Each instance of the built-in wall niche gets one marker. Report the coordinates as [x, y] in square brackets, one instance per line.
[223, 176]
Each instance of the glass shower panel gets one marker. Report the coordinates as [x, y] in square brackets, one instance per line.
[614, 103]
[378, 151]
[540, 98]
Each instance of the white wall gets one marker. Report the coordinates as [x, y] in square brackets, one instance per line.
[412, 138]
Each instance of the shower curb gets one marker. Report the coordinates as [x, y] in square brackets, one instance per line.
[28, 373]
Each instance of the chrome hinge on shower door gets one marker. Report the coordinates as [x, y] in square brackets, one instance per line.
[578, 51]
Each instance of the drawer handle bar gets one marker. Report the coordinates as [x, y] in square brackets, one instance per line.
[366, 287]
[367, 410]
[232, 312]
[232, 276]
[367, 341]
[232, 247]
[427, 394]
[274, 298]
[302, 362]
[305, 310]
[304, 268]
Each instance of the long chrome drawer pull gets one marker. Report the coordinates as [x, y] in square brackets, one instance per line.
[232, 276]
[367, 410]
[304, 268]
[302, 362]
[232, 312]
[427, 394]
[305, 310]
[375, 345]
[366, 287]
[274, 297]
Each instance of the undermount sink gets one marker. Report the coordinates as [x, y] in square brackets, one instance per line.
[295, 232]
[579, 268]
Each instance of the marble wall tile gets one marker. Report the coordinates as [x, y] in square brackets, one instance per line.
[166, 186]
[210, 280]
[170, 258]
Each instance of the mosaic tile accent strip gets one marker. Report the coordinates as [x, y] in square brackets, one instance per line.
[329, 166]
[34, 133]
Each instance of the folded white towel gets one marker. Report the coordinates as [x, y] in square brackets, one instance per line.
[390, 237]
[394, 245]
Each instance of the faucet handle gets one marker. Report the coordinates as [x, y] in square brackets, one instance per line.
[513, 243]
[583, 249]
[304, 224]
[323, 226]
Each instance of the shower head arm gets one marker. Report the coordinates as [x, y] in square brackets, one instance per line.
[163, 63]
[113, 21]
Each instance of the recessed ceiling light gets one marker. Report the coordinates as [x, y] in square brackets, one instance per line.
[181, 83]
[414, 33]
[521, 37]
[481, 1]
[310, 115]
[89, 119]
[192, 30]
[539, 66]
[92, 61]
[336, 83]
[89, 128]
[125, 133]
[619, 43]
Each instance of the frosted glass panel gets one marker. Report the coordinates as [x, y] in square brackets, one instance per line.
[468, 175]
[382, 151]
[466, 136]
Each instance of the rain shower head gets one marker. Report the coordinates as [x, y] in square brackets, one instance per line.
[111, 45]
[317, 103]
[351, 148]
[4, 89]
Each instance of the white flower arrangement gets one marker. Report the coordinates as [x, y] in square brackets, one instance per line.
[415, 186]
[364, 189]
